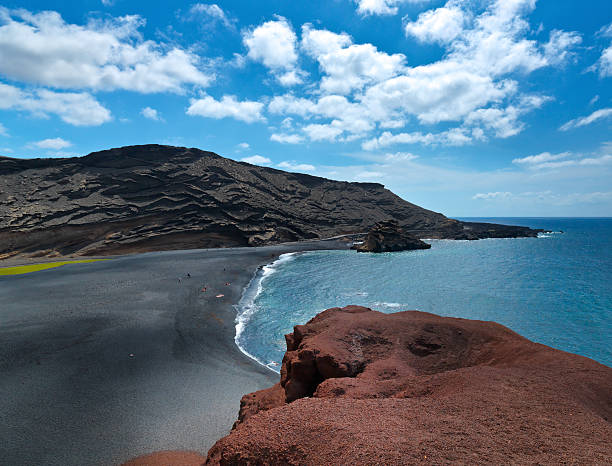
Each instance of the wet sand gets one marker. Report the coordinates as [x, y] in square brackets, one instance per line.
[107, 361]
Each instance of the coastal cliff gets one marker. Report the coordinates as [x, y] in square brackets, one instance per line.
[153, 197]
[362, 387]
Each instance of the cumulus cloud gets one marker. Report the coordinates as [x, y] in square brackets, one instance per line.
[439, 25]
[346, 116]
[54, 143]
[587, 120]
[347, 66]
[287, 138]
[41, 48]
[151, 114]
[473, 84]
[78, 109]
[256, 160]
[273, 44]
[243, 146]
[452, 137]
[228, 107]
[381, 7]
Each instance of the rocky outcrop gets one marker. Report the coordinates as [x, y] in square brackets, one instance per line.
[152, 197]
[388, 236]
[361, 387]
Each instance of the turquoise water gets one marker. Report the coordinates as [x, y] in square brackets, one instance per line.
[555, 289]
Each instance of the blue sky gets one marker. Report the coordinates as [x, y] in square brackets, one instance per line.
[466, 107]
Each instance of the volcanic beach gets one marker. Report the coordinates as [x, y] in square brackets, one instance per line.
[107, 361]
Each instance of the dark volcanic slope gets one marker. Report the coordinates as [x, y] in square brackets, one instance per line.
[152, 197]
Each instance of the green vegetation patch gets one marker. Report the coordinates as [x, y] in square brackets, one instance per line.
[21, 269]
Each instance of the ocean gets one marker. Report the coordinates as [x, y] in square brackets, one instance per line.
[555, 289]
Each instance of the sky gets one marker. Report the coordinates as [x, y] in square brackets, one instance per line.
[466, 107]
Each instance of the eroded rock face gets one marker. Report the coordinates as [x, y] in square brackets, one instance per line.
[388, 236]
[361, 387]
[153, 197]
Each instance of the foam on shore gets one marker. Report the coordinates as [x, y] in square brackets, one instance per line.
[246, 307]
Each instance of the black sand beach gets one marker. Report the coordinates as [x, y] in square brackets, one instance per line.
[106, 361]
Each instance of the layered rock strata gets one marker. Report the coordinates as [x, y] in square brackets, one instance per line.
[152, 197]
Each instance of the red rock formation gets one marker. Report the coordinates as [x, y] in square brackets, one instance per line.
[168, 458]
[361, 387]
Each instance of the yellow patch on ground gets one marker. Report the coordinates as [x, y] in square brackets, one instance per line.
[21, 269]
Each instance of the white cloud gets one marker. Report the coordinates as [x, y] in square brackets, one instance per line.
[108, 2]
[294, 166]
[287, 138]
[41, 48]
[400, 157]
[381, 7]
[151, 114]
[273, 44]
[3, 130]
[443, 91]
[452, 137]
[317, 132]
[547, 197]
[439, 25]
[348, 66]
[505, 121]
[541, 158]
[228, 107]
[347, 116]
[79, 109]
[243, 146]
[587, 120]
[256, 160]
[604, 64]
[559, 48]
[494, 195]
[473, 85]
[547, 160]
[213, 12]
[289, 104]
[55, 144]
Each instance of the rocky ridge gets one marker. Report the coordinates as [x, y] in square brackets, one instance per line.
[153, 197]
[361, 387]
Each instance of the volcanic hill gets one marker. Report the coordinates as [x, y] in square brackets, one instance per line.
[154, 197]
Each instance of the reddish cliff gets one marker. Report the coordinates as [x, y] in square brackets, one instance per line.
[361, 387]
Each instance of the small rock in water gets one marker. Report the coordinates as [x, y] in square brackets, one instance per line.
[388, 236]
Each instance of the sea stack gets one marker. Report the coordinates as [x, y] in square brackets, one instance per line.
[388, 236]
[362, 387]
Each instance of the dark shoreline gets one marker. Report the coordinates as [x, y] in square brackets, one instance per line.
[133, 362]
